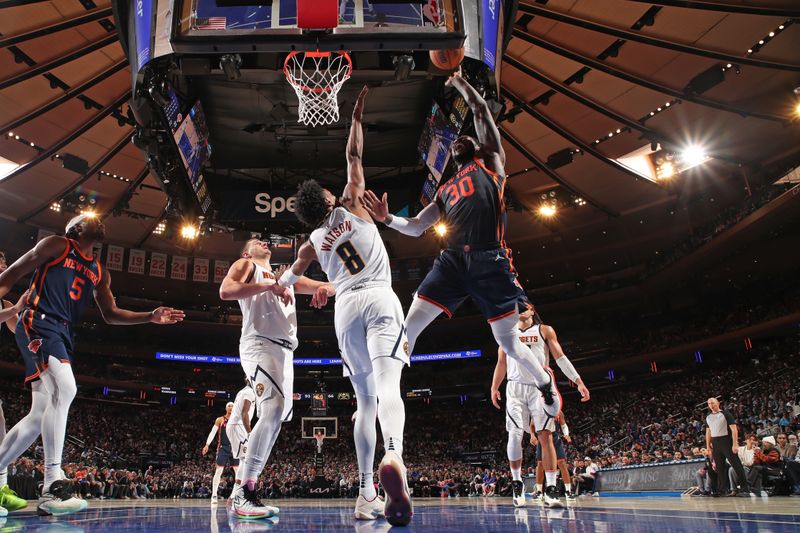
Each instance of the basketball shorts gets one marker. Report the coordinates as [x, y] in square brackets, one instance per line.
[225, 457]
[521, 400]
[486, 276]
[541, 420]
[559, 445]
[369, 325]
[238, 436]
[39, 338]
[270, 370]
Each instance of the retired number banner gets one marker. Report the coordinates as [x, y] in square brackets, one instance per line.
[114, 257]
[136, 261]
[158, 265]
[220, 270]
[200, 272]
[178, 267]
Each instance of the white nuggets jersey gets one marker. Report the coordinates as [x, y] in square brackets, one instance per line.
[265, 317]
[238, 404]
[351, 252]
[532, 338]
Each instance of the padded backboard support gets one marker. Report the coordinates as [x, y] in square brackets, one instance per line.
[317, 14]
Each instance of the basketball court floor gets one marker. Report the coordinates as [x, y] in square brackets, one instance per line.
[458, 515]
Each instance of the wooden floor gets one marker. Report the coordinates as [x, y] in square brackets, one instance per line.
[433, 514]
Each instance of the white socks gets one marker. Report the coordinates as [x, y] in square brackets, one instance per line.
[506, 334]
[551, 478]
[365, 436]
[516, 474]
[568, 487]
[366, 486]
[215, 482]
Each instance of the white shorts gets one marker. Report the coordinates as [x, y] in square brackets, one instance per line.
[522, 402]
[270, 370]
[541, 420]
[369, 324]
[238, 436]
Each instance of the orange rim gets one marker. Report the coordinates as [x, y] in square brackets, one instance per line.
[314, 54]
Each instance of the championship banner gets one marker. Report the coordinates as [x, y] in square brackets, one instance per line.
[158, 265]
[200, 272]
[179, 264]
[136, 261]
[97, 249]
[114, 257]
[220, 270]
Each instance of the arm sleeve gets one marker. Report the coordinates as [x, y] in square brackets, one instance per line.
[211, 435]
[566, 367]
[565, 429]
[416, 226]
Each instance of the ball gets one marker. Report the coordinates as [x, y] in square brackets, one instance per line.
[447, 59]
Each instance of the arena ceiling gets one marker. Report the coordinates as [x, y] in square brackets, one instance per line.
[600, 79]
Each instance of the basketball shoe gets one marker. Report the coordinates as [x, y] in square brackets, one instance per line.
[9, 500]
[369, 509]
[551, 497]
[518, 493]
[248, 506]
[392, 475]
[60, 500]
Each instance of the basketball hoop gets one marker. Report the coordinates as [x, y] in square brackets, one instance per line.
[319, 437]
[316, 78]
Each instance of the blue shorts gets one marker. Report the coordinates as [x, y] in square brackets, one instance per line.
[225, 456]
[486, 276]
[557, 442]
[40, 338]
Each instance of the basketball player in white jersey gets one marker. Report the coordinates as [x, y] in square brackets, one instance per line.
[266, 346]
[524, 403]
[224, 455]
[368, 320]
[238, 427]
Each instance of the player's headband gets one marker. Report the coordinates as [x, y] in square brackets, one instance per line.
[229, 404]
[77, 220]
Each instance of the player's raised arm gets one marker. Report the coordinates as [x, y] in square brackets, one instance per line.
[236, 285]
[44, 251]
[563, 362]
[354, 190]
[378, 208]
[488, 134]
[123, 317]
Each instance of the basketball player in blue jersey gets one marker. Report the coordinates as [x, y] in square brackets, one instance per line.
[476, 261]
[65, 277]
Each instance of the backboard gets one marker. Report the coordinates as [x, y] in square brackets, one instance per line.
[363, 25]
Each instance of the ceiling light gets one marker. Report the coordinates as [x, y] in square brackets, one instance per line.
[797, 109]
[189, 232]
[693, 155]
[548, 210]
[55, 206]
[88, 213]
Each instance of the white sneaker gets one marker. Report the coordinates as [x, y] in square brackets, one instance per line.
[392, 475]
[246, 505]
[518, 494]
[59, 500]
[369, 509]
[551, 498]
[3, 512]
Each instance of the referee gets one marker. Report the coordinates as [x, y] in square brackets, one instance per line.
[722, 438]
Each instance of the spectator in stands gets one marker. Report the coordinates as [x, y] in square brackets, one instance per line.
[746, 456]
[722, 436]
[793, 447]
[784, 448]
[587, 478]
[765, 461]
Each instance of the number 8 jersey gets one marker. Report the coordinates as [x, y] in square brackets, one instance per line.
[351, 252]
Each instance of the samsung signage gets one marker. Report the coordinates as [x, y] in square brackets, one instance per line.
[308, 361]
[257, 205]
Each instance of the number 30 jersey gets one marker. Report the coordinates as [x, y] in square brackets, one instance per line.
[351, 252]
[472, 206]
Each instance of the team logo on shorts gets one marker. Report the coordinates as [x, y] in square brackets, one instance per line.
[259, 389]
[34, 345]
[405, 347]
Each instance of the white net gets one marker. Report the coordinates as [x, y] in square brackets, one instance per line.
[316, 78]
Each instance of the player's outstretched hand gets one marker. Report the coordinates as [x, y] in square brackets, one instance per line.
[584, 392]
[378, 208]
[568, 438]
[167, 315]
[495, 394]
[20, 305]
[283, 293]
[451, 81]
[205, 449]
[278, 273]
[358, 108]
[320, 297]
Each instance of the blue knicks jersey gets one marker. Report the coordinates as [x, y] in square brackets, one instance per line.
[472, 205]
[62, 288]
